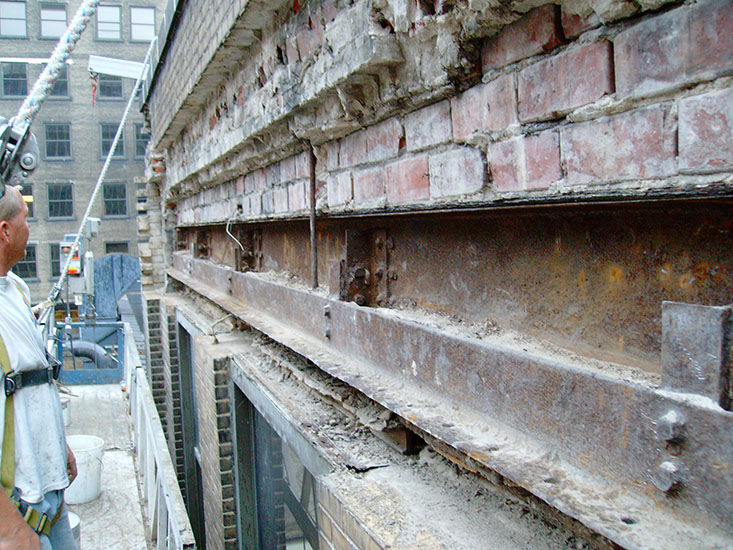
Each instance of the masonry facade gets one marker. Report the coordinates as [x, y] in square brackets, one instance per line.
[396, 235]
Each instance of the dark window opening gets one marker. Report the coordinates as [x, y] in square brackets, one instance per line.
[26, 268]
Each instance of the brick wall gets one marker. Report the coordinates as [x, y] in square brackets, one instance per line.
[532, 129]
[171, 373]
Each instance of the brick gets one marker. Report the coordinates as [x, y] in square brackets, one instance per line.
[297, 197]
[574, 25]
[332, 152]
[308, 39]
[291, 49]
[239, 188]
[489, 107]
[383, 140]
[260, 179]
[428, 126]
[369, 184]
[339, 189]
[551, 88]
[272, 173]
[408, 180]
[536, 32]
[456, 172]
[525, 163]
[302, 165]
[287, 169]
[280, 200]
[353, 149]
[689, 44]
[705, 132]
[639, 144]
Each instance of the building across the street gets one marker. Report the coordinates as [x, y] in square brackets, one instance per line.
[76, 125]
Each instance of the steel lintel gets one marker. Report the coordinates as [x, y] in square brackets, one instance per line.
[594, 446]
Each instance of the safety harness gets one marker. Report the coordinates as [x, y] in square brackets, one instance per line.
[12, 382]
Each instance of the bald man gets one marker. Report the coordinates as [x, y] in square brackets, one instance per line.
[33, 516]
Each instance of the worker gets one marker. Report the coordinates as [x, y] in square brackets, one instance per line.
[32, 510]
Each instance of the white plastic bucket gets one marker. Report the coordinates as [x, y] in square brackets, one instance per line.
[88, 451]
[65, 411]
[75, 524]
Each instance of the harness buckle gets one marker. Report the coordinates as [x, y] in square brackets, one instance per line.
[11, 386]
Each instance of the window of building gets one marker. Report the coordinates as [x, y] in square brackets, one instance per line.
[110, 86]
[53, 20]
[26, 268]
[58, 141]
[15, 79]
[61, 86]
[27, 191]
[108, 23]
[142, 24]
[12, 19]
[55, 260]
[115, 199]
[60, 200]
[276, 500]
[109, 130]
[141, 140]
[116, 248]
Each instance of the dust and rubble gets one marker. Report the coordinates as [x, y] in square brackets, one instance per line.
[407, 501]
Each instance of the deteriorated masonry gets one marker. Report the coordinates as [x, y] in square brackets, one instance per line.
[506, 226]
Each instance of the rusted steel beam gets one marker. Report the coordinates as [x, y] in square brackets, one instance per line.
[592, 445]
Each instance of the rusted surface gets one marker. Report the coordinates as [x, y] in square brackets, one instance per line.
[594, 446]
[589, 279]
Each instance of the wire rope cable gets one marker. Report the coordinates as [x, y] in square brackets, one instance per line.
[49, 75]
[56, 289]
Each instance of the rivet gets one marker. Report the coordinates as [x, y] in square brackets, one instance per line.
[360, 299]
[327, 311]
[671, 425]
[668, 476]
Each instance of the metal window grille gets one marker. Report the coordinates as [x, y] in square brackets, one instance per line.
[15, 79]
[60, 200]
[12, 19]
[115, 199]
[58, 140]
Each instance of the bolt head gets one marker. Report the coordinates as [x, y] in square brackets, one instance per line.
[671, 426]
[360, 299]
[668, 476]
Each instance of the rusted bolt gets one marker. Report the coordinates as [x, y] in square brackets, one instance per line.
[327, 311]
[361, 273]
[327, 333]
[390, 243]
[393, 275]
[379, 242]
[668, 476]
[360, 299]
[671, 426]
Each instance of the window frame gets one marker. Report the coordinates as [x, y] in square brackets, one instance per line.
[24, 19]
[120, 150]
[133, 25]
[138, 128]
[26, 262]
[100, 9]
[61, 78]
[55, 158]
[58, 7]
[117, 243]
[52, 202]
[3, 65]
[110, 81]
[115, 200]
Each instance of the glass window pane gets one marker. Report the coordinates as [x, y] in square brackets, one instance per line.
[141, 141]
[116, 248]
[12, 19]
[58, 140]
[28, 192]
[61, 86]
[15, 80]
[115, 199]
[108, 135]
[110, 86]
[55, 260]
[26, 268]
[60, 200]
[108, 22]
[53, 22]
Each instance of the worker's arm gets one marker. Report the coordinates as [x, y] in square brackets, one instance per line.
[71, 469]
[15, 534]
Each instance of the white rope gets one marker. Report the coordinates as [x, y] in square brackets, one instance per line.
[60, 54]
[75, 246]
